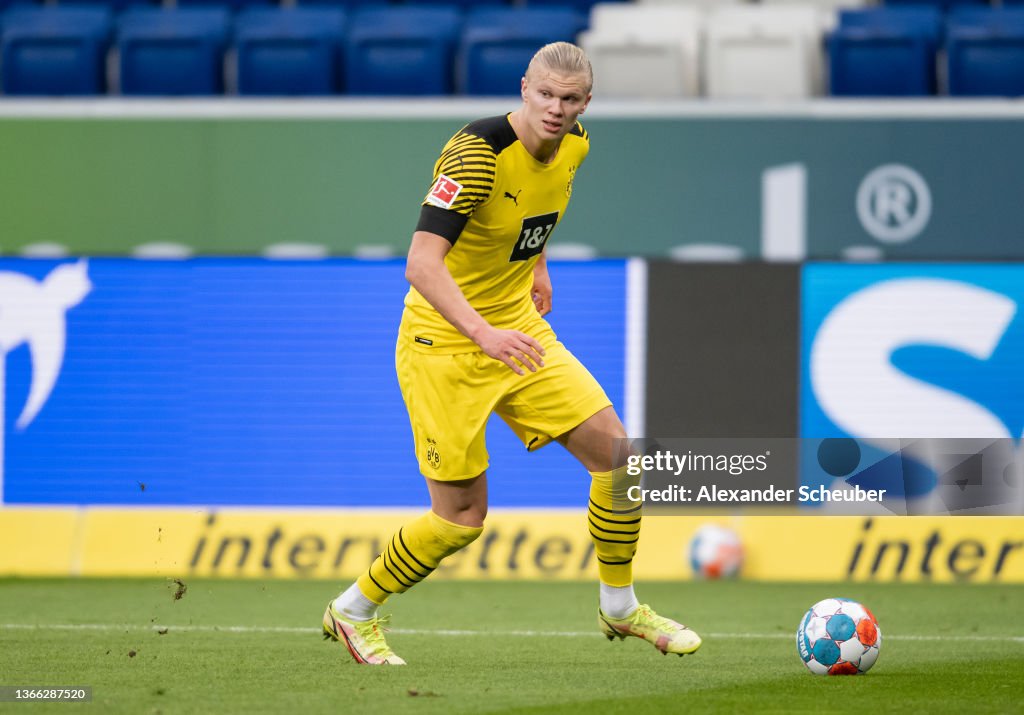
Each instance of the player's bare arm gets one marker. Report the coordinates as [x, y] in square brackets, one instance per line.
[426, 272]
[542, 286]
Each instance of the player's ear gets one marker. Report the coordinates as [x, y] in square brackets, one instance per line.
[522, 87]
[586, 102]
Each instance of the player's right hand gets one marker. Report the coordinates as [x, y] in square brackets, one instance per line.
[515, 349]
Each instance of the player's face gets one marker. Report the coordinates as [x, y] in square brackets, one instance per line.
[552, 102]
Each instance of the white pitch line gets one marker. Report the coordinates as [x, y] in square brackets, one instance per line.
[449, 632]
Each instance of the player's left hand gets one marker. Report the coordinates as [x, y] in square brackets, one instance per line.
[542, 289]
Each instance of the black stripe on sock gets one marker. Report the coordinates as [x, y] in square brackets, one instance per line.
[614, 511]
[411, 554]
[370, 574]
[614, 521]
[612, 541]
[396, 552]
[395, 576]
[612, 531]
[391, 556]
[615, 563]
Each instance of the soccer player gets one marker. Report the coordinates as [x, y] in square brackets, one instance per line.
[473, 341]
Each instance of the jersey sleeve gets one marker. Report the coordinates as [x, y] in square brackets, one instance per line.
[463, 179]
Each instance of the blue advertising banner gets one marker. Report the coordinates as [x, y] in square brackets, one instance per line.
[913, 371]
[247, 382]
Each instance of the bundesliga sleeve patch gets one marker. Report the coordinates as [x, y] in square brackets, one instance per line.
[444, 192]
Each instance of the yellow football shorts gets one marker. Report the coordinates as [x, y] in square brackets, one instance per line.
[450, 397]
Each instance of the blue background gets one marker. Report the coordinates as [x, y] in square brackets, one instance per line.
[255, 382]
[996, 383]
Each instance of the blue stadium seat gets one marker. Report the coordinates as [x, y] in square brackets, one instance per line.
[985, 52]
[172, 51]
[986, 17]
[113, 5]
[942, 5]
[55, 50]
[885, 52]
[461, 4]
[233, 5]
[290, 51]
[582, 6]
[348, 5]
[497, 44]
[407, 50]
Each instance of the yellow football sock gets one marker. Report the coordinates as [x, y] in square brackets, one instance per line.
[614, 528]
[412, 554]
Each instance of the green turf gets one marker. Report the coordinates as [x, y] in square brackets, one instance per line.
[970, 660]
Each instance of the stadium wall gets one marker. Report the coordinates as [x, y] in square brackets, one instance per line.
[518, 544]
[211, 417]
[688, 181]
[722, 349]
[225, 382]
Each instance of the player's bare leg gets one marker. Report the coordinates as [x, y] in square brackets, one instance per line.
[461, 502]
[454, 521]
[593, 443]
[615, 530]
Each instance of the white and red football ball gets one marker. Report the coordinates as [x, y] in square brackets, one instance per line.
[715, 552]
[838, 637]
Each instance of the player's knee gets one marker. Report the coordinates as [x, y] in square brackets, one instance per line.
[470, 515]
[611, 426]
[462, 502]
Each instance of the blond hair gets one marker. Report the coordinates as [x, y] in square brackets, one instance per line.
[563, 58]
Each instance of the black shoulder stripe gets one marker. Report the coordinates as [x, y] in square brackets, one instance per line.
[454, 163]
[579, 131]
[470, 156]
[496, 131]
[461, 142]
[459, 156]
[463, 172]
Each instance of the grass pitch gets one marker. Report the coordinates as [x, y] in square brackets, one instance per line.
[255, 647]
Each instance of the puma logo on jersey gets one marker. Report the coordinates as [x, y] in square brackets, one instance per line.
[515, 199]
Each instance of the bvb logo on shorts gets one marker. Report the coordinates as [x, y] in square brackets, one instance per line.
[433, 455]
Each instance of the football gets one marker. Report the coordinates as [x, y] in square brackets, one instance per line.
[715, 552]
[838, 636]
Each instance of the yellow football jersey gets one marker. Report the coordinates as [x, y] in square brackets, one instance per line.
[497, 205]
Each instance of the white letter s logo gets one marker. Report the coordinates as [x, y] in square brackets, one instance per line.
[860, 390]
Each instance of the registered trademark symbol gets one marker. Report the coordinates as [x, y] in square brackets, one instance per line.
[894, 203]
